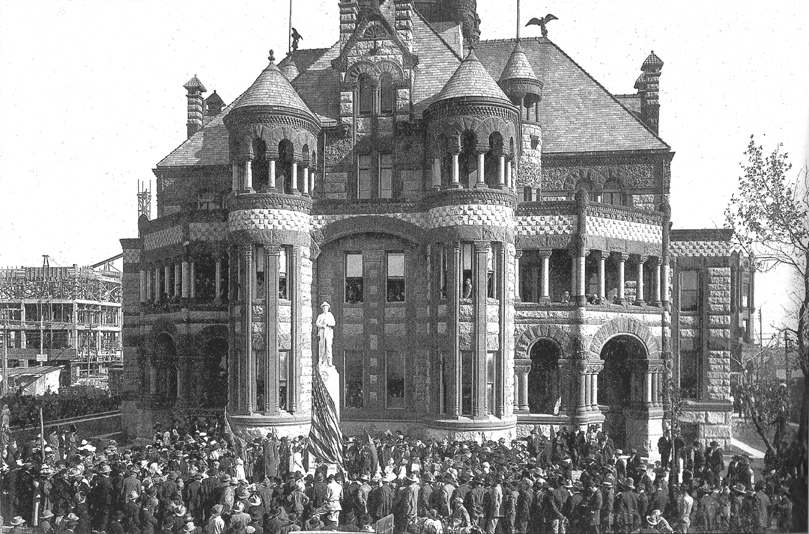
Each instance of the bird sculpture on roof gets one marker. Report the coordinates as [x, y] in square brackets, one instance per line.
[295, 38]
[541, 23]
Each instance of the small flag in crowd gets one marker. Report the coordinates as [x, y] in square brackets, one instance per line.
[325, 437]
[239, 444]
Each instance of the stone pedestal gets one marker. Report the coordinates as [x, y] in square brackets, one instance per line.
[331, 378]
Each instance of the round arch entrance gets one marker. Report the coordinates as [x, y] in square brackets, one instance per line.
[543, 379]
[617, 383]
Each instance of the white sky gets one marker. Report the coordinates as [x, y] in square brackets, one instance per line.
[91, 97]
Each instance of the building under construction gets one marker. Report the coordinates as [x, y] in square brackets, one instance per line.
[62, 316]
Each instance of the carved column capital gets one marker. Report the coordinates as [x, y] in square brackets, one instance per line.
[483, 246]
[621, 256]
[544, 253]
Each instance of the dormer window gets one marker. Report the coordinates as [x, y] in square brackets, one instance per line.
[206, 201]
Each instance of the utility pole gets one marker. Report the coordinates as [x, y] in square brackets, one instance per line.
[760, 329]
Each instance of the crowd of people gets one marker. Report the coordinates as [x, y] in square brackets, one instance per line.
[196, 479]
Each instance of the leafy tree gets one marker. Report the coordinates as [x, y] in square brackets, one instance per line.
[770, 219]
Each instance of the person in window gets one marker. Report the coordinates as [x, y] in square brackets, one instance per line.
[467, 288]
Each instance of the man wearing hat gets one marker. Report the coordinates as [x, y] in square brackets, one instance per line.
[101, 498]
[608, 496]
[325, 324]
[656, 523]
[626, 509]
[17, 525]
[216, 525]
[45, 526]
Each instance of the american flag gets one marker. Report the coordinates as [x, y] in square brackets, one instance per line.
[325, 437]
[238, 443]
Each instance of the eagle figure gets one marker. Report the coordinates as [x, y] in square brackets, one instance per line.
[541, 23]
[295, 38]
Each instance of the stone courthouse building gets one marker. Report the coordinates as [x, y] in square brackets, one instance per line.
[490, 225]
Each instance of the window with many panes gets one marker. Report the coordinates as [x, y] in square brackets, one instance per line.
[354, 376]
[396, 277]
[353, 278]
[395, 380]
[366, 90]
[689, 290]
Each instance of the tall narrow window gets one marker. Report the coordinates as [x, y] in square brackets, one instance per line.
[395, 380]
[745, 294]
[467, 160]
[467, 377]
[366, 95]
[490, 374]
[689, 291]
[353, 290]
[260, 165]
[354, 373]
[443, 273]
[387, 96]
[467, 282]
[689, 368]
[364, 176]
[491, 274]
[286, 157]
[396, 278]
[260, 278]
[386, 176]
[283, 267]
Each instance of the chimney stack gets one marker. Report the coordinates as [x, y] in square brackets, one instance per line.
[349, 11]
[196, 105]
[214, 105]
[648, 86]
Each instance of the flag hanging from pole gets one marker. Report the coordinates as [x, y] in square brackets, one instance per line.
[325, 437]
[239, 444]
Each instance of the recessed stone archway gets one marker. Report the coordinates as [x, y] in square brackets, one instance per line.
[624, 325]
[524, 343]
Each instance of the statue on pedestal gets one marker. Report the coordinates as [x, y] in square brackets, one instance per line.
[325, 324]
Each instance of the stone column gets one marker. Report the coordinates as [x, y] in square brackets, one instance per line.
[456, 181]
[648, 377]
[157, 283]
[306, 180]
[639, 300]
[521, 367]
[248, 367]
[588, 390]
[294, 178]
[312, 172]
[177, 279]
[167, 280]
[581, 405]
[581, 279]
[454, 295]
[574, 281]
[192, 282]
[546, 275]
[218, 281]
[656, 299]
[482, 249]
[296, 309]
[622, 277]
[186, 273]
[517, 256]
[509, 175]
[235, 176]
[516, 392]
[272, 255]
[501, 175]
[436, 173]
[481, 183]
[143, 287]
[602, 276]
[247, 186]
[149, 293]
[564, 389]
[272, 179]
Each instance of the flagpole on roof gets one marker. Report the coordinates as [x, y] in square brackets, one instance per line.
[518, 20]
[289, 30]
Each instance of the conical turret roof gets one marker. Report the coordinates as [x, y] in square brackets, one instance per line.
[652, 62]
[518, 66]
[472, 80]
[272, 88]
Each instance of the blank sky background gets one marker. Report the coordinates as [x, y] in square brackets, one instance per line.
[91, 97]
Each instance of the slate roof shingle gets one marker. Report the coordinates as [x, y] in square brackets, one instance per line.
[471, 80]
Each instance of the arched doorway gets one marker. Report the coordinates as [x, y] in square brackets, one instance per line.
[543, 379]
[166, 356]
[616, 382]
[215, 374]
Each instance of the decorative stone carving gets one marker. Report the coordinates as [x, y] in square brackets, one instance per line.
[629, 176]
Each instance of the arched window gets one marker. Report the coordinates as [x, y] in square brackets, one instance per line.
[286, 155]
[492, 159]
[365, 96]
[387, 97]
[467, 160]
[612, 194]
[260, 165]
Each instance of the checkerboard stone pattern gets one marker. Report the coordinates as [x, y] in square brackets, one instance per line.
[633, 231]
[471, 215]
[530, 225]
[268, 219]
[211, 231]
[321, 221]
[163, 238]
[702, 248]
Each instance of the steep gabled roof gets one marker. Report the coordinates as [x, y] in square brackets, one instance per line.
[577, 114]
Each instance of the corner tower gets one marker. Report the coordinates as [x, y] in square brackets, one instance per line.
[272, 139]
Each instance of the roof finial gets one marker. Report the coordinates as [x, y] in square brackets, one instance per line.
[272, 56]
